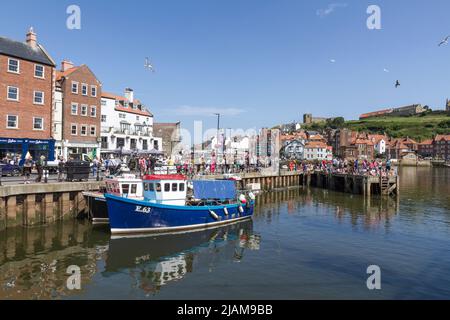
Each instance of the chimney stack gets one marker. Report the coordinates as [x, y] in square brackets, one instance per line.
[66, 65]
[31, 38]
[129, 95]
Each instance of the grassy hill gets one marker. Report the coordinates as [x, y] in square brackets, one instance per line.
[420, 127]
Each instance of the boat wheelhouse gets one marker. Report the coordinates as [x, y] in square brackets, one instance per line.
[126, 185]
[165, 189]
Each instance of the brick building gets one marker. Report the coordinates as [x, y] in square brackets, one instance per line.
[442, 146]
[79, 95]
[426, 148]
[26, 98]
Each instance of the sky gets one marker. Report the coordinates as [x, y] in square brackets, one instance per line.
[259, 63]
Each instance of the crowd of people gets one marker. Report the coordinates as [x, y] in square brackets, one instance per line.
[376, 167]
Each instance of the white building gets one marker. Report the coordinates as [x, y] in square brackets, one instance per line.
[379, 142]
[317, 151]
[127, 126]
[57, 120]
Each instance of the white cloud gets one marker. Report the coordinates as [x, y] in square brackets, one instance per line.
[330, 9]
[207, 111]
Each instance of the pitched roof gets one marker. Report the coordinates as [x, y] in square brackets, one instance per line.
[315, 144]
[63, 74]
[426, 142]
[440, 137]
[377, 138]
[23, 51]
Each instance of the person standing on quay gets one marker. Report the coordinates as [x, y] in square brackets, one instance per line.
[27, 167]
[40, 168]
[61, 165]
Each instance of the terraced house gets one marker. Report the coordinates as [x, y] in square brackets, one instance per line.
[77, 111]
[26, 98]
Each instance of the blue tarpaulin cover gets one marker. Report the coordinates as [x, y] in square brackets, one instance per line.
[214, 189]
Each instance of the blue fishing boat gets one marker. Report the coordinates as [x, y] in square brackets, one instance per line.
[171, 203]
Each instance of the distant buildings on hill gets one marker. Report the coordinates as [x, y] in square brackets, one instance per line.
[396, 112]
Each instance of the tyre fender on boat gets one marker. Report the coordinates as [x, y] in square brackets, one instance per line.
[214, 215]
[241, 210]
[226, 211]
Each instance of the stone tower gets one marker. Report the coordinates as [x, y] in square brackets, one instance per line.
[447, 106]
[307, 118]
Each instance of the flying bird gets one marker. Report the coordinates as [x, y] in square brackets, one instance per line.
[444, 41]
[385, 70]
[148, 65]
[397, 84]
[332, 60]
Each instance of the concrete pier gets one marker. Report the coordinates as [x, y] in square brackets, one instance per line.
[37, 204]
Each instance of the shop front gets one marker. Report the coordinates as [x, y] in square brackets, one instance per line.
[17, 149]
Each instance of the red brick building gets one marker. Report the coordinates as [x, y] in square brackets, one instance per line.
[442, 146]
[26, 98]
[426, 148]
[81, 94]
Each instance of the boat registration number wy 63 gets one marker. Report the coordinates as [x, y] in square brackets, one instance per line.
[142, 209]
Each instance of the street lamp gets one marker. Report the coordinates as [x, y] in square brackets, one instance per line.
[218, 125]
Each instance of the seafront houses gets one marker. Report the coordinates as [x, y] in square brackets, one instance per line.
[126, 126]
[442, 147]
[426, 148]
[26, 98]
[77, 111]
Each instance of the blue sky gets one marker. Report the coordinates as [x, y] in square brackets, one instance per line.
[258, 62]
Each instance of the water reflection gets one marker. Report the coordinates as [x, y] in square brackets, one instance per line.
[33, 262]
[153, 262]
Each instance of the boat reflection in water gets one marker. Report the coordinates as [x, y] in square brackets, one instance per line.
[154, 261]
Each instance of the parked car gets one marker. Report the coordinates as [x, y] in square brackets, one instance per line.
[10, 170]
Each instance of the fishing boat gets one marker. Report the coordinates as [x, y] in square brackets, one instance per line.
[125, 185]
[171, 203]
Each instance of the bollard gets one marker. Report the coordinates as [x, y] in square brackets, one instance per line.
[45, 175]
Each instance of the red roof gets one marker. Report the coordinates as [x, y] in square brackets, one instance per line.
[440, 137]
[164, 177]
[63, 74]
[426, 142]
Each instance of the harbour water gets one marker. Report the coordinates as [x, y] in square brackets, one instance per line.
[301, 244]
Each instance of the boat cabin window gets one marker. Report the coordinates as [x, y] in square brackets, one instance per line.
[133, 188]
[158, 187]
[174, 187]
[151, 187]
[125, 188]
[182, 187]
[146, 185]
[166, 187]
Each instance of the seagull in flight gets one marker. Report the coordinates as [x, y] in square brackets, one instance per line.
[385, 70]
[332, 60]
[444, 41]
[397, 84]
[148, 65]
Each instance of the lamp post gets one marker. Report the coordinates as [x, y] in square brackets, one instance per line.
[218, 126]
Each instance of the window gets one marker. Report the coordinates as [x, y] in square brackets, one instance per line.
[74, 129]
[39, 71]
[133, 188]
[38, 124]
[120, 142]
[74, 109]
[75, 87]
[84, 110]
[93, 111]
[125, 188]
[122, 115]
[12, 122]
[103, 117]
[174, 187]
[103, 102]
[158, 187]
[151, 187]
[38, 97]
[144, 145]
[83, 130]
[13, 66]
[145, 186]
[84, 89]
[137, 118]
[166, 187]
[13, 93]
[182, 187]
[93, 91]
[93, 130]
